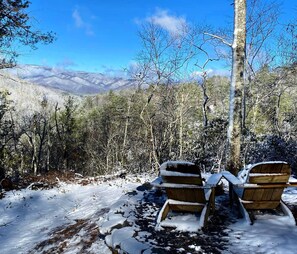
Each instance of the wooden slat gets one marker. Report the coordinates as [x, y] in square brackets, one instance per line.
[283, 178]
[186, 208]
[271, 168]
[258, 168]
[277, 194]
[184, 168]
[258, 205]
[267, 194]
[258, 194]
[188, 195]
[286, 169]
[292, 184]
[248, 194]
[182, 180]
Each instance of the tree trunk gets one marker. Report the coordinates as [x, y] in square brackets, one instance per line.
[181, 128]
[123, 154]
[237, 84]
[205, 100]
[48, 150]
[34, 157]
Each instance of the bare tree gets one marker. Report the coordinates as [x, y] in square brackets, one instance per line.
[161, 60]
[201, 41]
[261, 22]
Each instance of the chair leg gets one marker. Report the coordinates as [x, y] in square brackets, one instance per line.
[245, 213]
[204, 216]
[231, 194]
[288, 212]
[163, 212]
[212, 201]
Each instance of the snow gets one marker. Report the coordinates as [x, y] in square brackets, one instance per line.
[267, 235]
[213, 180]
[186, 222]
[31, 217]
[270, 234]
[269, 162]
[113, 221]
[266, 174]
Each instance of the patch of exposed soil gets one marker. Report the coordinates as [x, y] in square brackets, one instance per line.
[78, 236]
[62, 237]
[51, 179]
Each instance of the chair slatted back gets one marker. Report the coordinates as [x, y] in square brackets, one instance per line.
[270, 173]
[185, 174]
[270, 177]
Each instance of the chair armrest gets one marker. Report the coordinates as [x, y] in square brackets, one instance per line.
[232, 179]
[213, 180]
[157, 182]
[292, 184]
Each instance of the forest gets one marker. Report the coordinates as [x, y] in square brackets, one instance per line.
[122, 131]
[171, 115]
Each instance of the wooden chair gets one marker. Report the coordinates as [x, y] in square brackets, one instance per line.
[185, 190]
[260, 187]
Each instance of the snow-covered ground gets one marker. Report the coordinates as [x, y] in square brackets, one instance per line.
[75, 218]
[270, 234]
[28, 217]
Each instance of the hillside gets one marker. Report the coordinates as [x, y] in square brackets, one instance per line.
[74, 82]
[26, 96]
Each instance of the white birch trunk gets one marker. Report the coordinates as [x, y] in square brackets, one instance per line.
[237, 85]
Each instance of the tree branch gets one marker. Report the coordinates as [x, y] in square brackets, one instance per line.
[219, 38]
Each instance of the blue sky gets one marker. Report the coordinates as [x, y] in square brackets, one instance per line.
[101, 35]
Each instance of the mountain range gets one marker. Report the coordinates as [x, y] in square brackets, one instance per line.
[73, 82]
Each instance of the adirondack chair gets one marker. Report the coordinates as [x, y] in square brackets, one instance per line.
[260, 187]
[185, 191]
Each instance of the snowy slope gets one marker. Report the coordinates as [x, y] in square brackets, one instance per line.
[26, 96]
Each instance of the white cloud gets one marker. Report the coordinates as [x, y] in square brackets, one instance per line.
[77, 19]
[65, 63]
[174, 25]
[81, 23]
[210, 73]
[199, 74]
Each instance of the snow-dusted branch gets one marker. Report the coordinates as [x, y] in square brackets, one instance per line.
[219, 38]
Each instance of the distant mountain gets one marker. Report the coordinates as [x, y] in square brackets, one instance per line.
[75, 82]
[27, 97]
